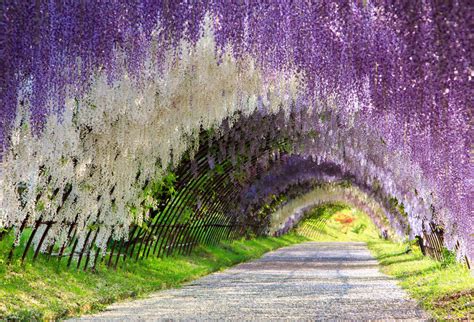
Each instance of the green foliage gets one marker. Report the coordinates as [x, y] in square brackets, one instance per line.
[449, 258]
[324, 116]
[154, 193]
[396, 206]
[40, 206]
[313, 134]
[345, 184]
[93, 226]
[219, 168]
[330, 222]
[285, 146]
[186, 214]
[271, 206]
[359, 228]
[162, 186]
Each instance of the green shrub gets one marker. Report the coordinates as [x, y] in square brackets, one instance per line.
[359, 228]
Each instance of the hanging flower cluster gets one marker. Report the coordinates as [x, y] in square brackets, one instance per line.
[99, 97]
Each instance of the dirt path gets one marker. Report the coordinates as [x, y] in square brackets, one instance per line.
[305, 281]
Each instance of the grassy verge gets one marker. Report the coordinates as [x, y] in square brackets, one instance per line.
[336, 222]
[44, 290]
[444, 289]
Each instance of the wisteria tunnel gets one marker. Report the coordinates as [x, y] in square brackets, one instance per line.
[136, 129]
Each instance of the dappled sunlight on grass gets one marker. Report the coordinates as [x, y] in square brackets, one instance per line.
[46, 290]
[335, 222]
[445, 289]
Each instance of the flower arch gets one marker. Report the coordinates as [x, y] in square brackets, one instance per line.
[102, 101]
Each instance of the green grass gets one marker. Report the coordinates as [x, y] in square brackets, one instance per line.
[42, 290]
[336, 222]
[444, 289]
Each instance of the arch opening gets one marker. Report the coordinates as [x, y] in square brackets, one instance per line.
[125, 142]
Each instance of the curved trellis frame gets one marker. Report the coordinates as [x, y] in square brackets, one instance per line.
[164, 232]
[91, 112]
[202, 209]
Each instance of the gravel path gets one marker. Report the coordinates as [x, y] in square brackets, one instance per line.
[323, 281]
